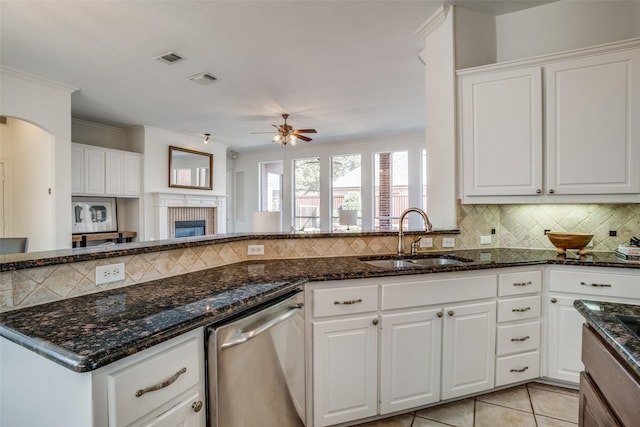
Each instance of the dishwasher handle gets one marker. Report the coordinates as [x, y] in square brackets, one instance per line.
[243, 337]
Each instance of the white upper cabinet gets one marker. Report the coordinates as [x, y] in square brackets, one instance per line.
[502, 132]
[592, 131]
[101, 171]
[560, 128]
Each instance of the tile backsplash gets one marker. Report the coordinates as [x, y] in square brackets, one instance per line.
[516, 226]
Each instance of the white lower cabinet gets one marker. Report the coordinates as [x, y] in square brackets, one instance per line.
[564, 323]
[424, 339]
[468, 349]
[345, 369]
[410, 348]
[161, 386]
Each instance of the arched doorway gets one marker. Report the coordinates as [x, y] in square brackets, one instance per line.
[27, 205]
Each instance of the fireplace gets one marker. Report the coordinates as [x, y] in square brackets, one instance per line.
[189, 228]
[189, 215]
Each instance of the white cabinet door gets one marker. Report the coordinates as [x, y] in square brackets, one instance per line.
[182, 414]
[114, 175]
[77, 169]
[501, 127]
[468, 355]
[132, 173]
[592, 127]
[345, 370]
[410, 346]
[564, 339]
[94, 171]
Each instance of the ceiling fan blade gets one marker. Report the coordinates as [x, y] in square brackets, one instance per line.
[305, 131]
[302, 137]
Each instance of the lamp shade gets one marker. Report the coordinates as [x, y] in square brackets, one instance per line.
[267, 222]
[348, 217]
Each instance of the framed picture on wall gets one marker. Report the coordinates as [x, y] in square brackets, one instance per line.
[93, 215]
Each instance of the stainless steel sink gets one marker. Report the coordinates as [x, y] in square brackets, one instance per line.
[406, 263]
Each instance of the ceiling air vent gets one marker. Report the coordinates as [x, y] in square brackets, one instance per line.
[170, 57]
[203, 78]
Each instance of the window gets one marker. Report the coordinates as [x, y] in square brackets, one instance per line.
[306, 190]
[271, 186]
[391, 192]
[346, 189]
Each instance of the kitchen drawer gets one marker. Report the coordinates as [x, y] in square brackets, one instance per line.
[519, 367]
[518, 308]
[525, 282]
[595, 283]
[178, 363]
[517, 338]
[432, 292]
[344, 300]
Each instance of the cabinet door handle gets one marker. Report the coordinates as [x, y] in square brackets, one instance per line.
[439, 314]
[163, 384]
[519, 370]
[596, 285]
[520, 339]
[450, 313]
[538, 191]
[374, 321]
[197, 406]
[522, 283]
[349, 302]
[520, 310]
[553, 300]
[551, 191]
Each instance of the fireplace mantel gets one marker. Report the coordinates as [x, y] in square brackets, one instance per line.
[164, 201]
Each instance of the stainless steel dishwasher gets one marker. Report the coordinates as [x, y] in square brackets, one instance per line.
[255, 366]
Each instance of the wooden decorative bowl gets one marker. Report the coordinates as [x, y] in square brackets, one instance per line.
[564, 241]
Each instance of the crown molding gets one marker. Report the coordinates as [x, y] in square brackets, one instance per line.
[37, 79]
[434, 21]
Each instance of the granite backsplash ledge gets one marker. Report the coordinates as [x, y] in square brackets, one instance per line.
[74, 276]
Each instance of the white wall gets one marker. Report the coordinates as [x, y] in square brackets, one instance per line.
[48, 105]
[89, 133]
[246, 191]
[475, 38]
[27, 151]
[565, 25]
[156, 172]
[440, 131]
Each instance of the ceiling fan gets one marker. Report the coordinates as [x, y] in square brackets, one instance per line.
[287, 135]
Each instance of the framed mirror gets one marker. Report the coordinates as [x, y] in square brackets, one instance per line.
[190, 169]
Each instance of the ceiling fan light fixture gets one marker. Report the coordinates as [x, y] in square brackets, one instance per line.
[292, 139]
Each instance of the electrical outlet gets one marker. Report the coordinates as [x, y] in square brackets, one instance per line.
[255, 249]
[426, 242]
[448, 242]
[109, 273]
[485, 240]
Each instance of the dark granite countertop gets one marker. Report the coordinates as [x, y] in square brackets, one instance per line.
[603, 318]
[90, 331]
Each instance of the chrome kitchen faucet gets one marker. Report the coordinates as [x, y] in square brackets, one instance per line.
[427, 226]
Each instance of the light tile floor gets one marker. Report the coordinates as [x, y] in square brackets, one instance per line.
[531, 405]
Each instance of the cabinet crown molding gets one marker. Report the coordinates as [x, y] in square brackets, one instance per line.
[434, 21]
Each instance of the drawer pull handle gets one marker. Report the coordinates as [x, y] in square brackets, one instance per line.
[520, 310]
[197, 406]
[520, 339]
[596, 285]
[519, 370]
[349, 302]
[523, 283]
[163, 384]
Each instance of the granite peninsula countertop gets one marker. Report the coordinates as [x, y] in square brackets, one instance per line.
[603, 318]
[86, 332]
